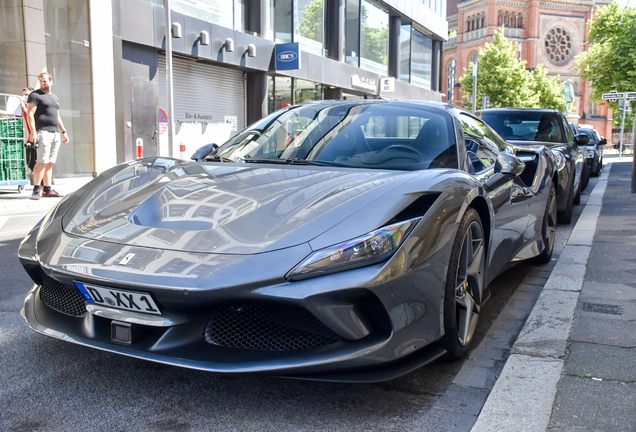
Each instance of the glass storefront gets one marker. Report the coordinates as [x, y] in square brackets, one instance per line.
[306, 91]
[279, 92]
[12, 53]
[68, 61]
[281, 89]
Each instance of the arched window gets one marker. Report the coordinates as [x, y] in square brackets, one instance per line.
[451, 79]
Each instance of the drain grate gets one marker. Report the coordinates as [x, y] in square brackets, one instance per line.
[602, 308]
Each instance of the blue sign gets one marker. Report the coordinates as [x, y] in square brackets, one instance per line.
[287, 56]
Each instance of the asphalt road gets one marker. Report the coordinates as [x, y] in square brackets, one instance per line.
[50, 385]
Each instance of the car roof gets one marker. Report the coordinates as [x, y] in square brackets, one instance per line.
[442, 105]
[551, 110]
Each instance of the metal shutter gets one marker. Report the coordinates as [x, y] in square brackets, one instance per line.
[203, 89]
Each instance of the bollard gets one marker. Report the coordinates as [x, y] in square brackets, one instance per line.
[140, 148]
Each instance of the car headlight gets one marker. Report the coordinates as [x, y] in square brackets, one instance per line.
[45, 223]
[365, 250]
[559, 159]
[590, 154]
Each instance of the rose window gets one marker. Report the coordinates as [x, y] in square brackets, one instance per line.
[558, 46]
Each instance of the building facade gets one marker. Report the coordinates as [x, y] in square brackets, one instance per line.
[548, 32]
[108, 62]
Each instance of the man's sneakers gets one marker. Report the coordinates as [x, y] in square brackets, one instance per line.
[51, 194]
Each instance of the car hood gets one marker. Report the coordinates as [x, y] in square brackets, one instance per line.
[547, 144]
[225, 207]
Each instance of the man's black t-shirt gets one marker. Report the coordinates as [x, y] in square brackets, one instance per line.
[46, 113]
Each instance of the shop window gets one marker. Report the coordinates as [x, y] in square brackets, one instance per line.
[279, 93]
[306, 91]
[374, 38]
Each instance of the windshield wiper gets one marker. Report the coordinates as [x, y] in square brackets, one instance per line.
[314, 162]
[267, 160]
[294, 161]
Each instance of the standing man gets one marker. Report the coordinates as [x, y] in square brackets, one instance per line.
[46, 125]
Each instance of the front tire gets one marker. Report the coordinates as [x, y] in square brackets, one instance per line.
[464, 286]
[548, 229]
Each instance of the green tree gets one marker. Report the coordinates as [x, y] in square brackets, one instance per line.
[547, 88]
[500, 76]
[610, 64]
[311, 26]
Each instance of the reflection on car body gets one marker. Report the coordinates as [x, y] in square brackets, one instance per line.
[334, 240]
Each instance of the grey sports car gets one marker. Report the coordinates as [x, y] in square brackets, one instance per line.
[336, 240]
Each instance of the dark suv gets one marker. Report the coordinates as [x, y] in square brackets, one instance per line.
[594, 149]
[547, 127]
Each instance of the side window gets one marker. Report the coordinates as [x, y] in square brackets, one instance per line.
[569, 137]
[481, 146]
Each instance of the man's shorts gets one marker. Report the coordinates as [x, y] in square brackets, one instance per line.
[48, 145]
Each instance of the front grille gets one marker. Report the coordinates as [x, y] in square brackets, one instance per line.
[62, 298]
[269, 327]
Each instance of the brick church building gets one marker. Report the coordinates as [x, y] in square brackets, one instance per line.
[551, 32]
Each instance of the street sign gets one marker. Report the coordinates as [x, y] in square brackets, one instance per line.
[613, 95]
[631, 95]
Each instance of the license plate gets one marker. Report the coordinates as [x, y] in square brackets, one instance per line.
[133, 301]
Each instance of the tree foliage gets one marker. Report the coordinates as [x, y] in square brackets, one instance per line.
[503, 78]
[547, 88]
[610, 64]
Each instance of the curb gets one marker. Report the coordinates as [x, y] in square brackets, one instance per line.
[523, 396]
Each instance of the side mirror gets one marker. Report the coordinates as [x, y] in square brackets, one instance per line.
[602, 142]
[203, 152]
[509, 164]
[582, 139]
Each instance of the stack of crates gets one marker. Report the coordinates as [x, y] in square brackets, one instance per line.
[12, 163]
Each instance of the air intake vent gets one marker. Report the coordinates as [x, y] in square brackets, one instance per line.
[62, 298]
[269, 327]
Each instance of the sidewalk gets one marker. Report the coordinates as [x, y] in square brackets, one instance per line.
[573, 366]
[13, 202]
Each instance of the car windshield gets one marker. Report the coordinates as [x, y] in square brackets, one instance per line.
[377, 135]
[589, 133]
[525, 125]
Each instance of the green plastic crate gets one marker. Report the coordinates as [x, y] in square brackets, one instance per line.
[14, 170]
[11, 128]
[12, 149]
